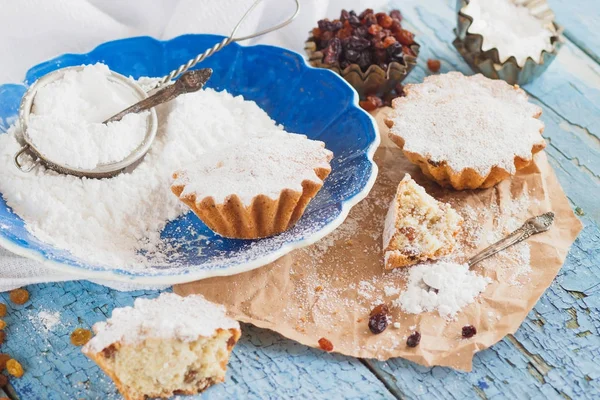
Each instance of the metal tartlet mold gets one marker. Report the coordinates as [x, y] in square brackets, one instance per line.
[375, 80]
[469, 45]
[100, 171]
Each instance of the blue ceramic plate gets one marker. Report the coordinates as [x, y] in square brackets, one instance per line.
[315, 102]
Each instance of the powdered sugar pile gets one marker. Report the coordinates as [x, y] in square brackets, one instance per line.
[266, 164]
[66, 123]
[44, 321]
[117, 222]
[445, 287]
[510, 28]
[168, 317]
[468, 122]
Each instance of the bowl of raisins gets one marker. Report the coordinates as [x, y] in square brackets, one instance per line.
[372, 51]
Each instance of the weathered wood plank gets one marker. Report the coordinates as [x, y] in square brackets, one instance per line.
[264, 365]
[580, 19]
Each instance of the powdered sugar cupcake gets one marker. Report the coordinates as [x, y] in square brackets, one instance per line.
[466, 132]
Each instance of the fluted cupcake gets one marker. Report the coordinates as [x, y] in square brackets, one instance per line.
[256, 188]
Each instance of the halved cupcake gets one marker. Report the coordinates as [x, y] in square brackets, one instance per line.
[164, 346]
[418, 227]
[466, 132]
[257, 188]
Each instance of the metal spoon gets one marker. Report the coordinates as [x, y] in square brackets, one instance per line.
[189, 82]
[531, 227]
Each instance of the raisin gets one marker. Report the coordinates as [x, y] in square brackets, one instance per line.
[344, 64]
[378, 323]
[396, 15]
[351, 55]
[80, 336]
[395, 51]
[109, 351]
[14, 368]
[3, 359]
[409, 232]
[344, 15]
[2, 324]
[325, 344]
[468, 331]
[354, 21]
[369, 20]
[413, 340]
[405, 37]
[19, 296]
[357, 43]
[316, 32]
[364, 60]
[388, 41]
[408, 51]
[345, 32]
[382, 308]
[3, 382]
[326, 25]
[2, 310]
[434, 65]
[396, 27]
[332, 52]
[2, 337]
[360, 32]
[371, 103]
[384, 20]
[375, 29]
[365, 13]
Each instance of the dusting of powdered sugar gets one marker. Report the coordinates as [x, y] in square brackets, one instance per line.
[510, 28]
[467, 122]
[168, 316]
[265, 165]
[66, 121]
[44, 321]
[445, 287]
[117, 222]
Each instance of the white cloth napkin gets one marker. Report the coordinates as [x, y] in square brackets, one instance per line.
[32, 31]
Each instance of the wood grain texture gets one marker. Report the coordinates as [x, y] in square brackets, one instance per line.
[264, 365]
[555, 353]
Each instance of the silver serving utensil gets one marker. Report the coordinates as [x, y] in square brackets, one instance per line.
[531, 227]
[189, 82]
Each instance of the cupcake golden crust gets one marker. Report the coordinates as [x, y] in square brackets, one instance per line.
[466, 132]
[257, 188]
[418, 227]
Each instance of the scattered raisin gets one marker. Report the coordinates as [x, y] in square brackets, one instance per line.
[413, 340]
[434, 65]
[19, 296]
[2, 324]
[2, 337]
[382, 308]
[3, 359]
[332, 51]
[2, 310]
[384, 20]
[388, 41]
[378, 323]
[468, 331]
[371, 103]
[365, 13]
[325, 344]
[14, 368]
[3, 382]
[80, 336]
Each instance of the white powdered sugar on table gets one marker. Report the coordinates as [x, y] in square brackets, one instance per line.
[468, 122]
[510, 28]
[66, 121]
[445, 287]
[265, 165]
[44, 321]
[168, 316]
[116, 223]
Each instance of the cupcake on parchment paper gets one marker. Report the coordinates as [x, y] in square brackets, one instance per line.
[466, 132]
[512, 40]
[165, 346]
[257, 188]
[418, 227]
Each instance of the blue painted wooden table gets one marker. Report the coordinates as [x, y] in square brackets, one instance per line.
[555, 353]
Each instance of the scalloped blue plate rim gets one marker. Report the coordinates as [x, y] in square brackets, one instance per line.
[188, 275]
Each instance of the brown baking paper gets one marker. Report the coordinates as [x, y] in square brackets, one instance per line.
[328, 289]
